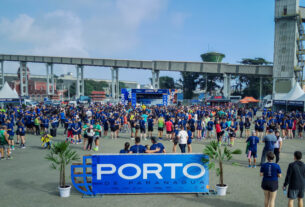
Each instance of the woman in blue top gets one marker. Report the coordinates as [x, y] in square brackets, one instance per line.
[126, 148]
[270, 172]
[189, 141]
[199, 128]
[289, 125]
[21, 133]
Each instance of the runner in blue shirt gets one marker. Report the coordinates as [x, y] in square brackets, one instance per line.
[138, 148]
[45, 123]
[289, 125]
[157, 145]
[62, 118]
[150, 126]
[126, 148]
[252, 142]
[210, 125]
[270, 173]
[142, 128]
[241, 127]
[189, 141]
[10, 131]
[21, 132]
[261, 126]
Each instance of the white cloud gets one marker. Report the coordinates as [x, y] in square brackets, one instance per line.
[110, 30]
[114, 29]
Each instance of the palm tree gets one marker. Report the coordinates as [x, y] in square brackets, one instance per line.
[218, 154]
[60, 156]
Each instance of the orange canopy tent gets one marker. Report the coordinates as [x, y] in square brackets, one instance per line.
[248, 99]
[243, 101]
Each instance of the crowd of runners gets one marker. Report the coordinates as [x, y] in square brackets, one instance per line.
[179, 124]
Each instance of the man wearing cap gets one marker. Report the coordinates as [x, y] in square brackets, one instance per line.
[269, 141]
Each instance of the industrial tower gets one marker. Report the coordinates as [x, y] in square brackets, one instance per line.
[289, 48]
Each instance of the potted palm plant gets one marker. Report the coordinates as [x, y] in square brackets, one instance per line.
[218, 154]
[60, 156]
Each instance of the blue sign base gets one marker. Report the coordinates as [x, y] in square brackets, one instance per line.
[141, 174]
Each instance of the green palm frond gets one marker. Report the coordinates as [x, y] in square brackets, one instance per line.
[218, 154]
[60, 156]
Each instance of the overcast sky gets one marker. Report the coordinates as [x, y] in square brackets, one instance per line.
[135, 29]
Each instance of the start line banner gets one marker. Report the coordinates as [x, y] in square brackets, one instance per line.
[143, 173]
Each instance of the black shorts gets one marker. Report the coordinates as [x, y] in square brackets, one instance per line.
[142, 130]
[160, 129]
[21, 133]
[150, 129]
[168, 132]
[192, 129]
[261, 130]
[300, 129]
[294, 194]
[113, 129]
[106, 128]
[271, 186]
[176, 141]
[253, 154]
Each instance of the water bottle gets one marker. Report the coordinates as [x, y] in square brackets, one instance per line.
[285, 191]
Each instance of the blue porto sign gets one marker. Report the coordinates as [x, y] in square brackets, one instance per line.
[141, 173]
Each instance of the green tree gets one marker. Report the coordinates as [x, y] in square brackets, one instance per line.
[166, 82]
[91, 85]
[189, 82]
[210, 82]
[252, 83]
[255, 61]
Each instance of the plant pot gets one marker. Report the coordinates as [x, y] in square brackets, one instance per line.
[221, 190]
[64, 192]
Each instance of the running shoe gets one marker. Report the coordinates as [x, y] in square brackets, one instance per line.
[249, 166]
[95, 149]
[253, 166]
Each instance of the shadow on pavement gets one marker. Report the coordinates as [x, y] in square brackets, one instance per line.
[216, 201]
[50, 188]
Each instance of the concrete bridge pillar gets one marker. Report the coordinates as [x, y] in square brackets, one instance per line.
[155, 76]
[115, 85]
[227, 85]
[48, 66]
[2, 74]
[80, 82]
[23, 73]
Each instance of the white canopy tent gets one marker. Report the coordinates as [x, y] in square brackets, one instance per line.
[7, 92]
[301, 98]
[295, 93]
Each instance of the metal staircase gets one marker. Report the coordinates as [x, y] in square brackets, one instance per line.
[299, 68]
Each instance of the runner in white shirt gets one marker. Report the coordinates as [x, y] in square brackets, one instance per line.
[183, 137]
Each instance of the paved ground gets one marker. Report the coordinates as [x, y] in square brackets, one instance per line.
[27, 180]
